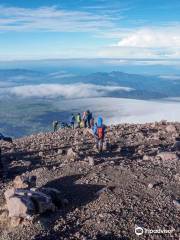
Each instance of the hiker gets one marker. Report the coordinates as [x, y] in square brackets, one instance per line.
[84, 118]
[78, 120]
[6, 139]
[92, 123]
[99, 133]
[89, 117]
[55, 125]
[72, 120]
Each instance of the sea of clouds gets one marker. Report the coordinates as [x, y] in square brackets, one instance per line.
[78, 90]
[120, 110]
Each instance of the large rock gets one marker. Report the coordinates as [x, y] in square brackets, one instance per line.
[55, 195]
[42, 202]
[24, 182]
[22, 202]
[20, 206]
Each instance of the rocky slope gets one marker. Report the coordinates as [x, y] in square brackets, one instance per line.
[134, 182]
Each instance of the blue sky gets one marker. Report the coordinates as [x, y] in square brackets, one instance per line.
[41, 29]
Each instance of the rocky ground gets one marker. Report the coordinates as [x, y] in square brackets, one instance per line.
[134, 182]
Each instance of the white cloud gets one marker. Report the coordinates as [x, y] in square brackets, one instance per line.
[78, 90]
[158, 42]
[152, 38]
[170, 77]
[52, 19]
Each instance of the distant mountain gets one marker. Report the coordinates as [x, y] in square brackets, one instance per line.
[145, 86]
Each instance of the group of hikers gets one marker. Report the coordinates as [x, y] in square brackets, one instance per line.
[86, 120]
[76, 121]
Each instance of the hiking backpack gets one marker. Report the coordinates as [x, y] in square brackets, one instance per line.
[100, 132]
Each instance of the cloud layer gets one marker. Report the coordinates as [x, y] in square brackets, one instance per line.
[119, 110]
[64, 90]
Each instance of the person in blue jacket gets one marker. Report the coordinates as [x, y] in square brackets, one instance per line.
[72, 120]
[99, 133]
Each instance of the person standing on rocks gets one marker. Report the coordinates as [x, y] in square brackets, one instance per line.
[55, 126]
[84, 118]
[78, 120]
[89, 117]
[72, 120]
[92, 122]
[99, 133]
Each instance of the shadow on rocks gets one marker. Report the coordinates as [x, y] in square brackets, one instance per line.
[17, 163]
[77, 194]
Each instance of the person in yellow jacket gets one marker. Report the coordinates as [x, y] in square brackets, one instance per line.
[78, 120]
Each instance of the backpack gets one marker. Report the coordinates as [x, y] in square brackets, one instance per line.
[100, 132]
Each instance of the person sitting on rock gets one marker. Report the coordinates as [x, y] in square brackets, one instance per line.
[99, 133]
[55, 125]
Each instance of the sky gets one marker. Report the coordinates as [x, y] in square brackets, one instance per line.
[55, 29]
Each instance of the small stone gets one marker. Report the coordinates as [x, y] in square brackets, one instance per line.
[176, 203]
[91, 161]
[150, 185]
[40, 154]
[145, 158]
[177, 177]
[61, 151]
